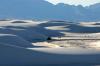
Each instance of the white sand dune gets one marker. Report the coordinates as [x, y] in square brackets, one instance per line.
[26, 30]
[90, 24]
[23, 43]
[46, 45]
[10, 55]
[57, 28]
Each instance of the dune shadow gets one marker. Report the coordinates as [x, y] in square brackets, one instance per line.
[96, 24]
[19, 22]
[38, 58]
[74, 28]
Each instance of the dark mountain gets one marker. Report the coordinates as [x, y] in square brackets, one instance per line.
[40, 9]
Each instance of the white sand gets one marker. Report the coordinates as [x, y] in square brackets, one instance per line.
[23, 42]
[89, 24]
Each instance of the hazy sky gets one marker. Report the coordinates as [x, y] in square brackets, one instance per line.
[75, 2]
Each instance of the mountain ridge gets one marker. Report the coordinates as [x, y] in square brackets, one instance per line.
[40, 9]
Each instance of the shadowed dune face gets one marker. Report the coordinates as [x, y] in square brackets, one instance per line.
[14, 40]
[24, 57]
[19, 22]
[83, 29]
[26, 31]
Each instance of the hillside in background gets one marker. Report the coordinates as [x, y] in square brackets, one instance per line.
[40, 9]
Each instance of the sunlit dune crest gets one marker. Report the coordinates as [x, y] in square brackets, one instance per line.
[95, 45]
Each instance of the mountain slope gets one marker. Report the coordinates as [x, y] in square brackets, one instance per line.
[41, 9]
